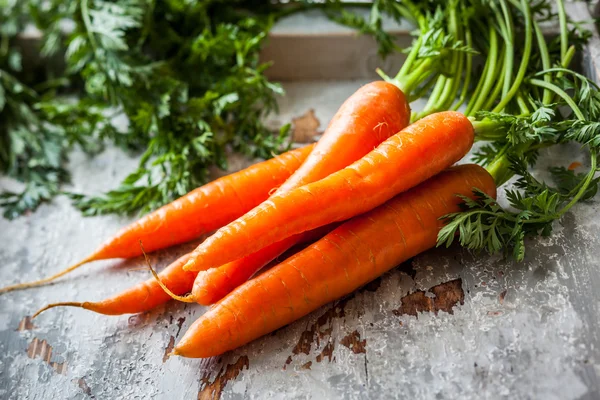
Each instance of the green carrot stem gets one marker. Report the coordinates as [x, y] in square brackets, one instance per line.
[437, 91]
[412, 80]
[480, 83]
[458, 61]
[499, 168]
[488, 79]
[524, 61]
[410, 59]
[564, 29]
[468, 70]
[488, 130]
[523, 105]
[545, 56]
[497, 89]
[383, 75]
[508, 33]
[423, 89]
[566, 61]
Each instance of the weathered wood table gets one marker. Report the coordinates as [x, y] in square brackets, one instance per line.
[446, 324]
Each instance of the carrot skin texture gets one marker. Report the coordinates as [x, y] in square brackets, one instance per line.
[394, 166]
[203, 209]
[352, 255]
[212, 285]
[146, 295]
[369, 116]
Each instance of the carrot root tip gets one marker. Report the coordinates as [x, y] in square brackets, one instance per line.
[40, 282]
[62, 304]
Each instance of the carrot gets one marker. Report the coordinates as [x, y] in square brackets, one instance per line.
[141, 297]
[404, 160]
[372, 114]
[350, 256]
[198, 212]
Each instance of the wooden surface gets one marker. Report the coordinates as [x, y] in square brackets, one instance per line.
[446, 324]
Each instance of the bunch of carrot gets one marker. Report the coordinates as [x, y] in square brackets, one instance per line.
[369, 195]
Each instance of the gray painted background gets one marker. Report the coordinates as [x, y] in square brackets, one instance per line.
[446, 324]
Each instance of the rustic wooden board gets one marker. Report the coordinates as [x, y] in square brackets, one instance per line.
[445, 324]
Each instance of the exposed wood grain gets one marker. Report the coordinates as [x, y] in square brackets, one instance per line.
[169, 348]
[327, 353]
[26, 324]
[41, 349]
[305, 127]
[353, 342]
[212, 390]
[446, 296]
[85, 388]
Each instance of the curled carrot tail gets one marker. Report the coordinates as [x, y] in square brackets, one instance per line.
[86, 304]
[186, 299]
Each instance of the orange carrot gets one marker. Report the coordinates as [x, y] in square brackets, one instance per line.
[404, 160]
[352, 255]
[141, 297]
[372, 114]
[198, 212]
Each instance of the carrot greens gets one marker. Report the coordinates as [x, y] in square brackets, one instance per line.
[543, 104]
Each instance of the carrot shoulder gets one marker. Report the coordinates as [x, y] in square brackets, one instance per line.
[404, 160]
[352, 255]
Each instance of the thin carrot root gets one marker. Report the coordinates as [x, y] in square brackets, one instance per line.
[185, 299]
[44, 281]
[63, 304]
